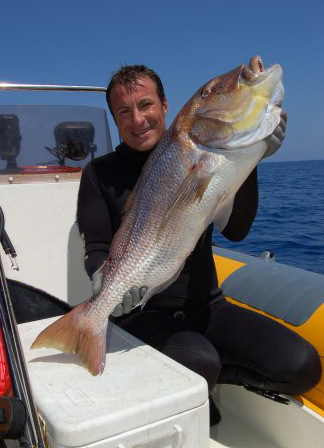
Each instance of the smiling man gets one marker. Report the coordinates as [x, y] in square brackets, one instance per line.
[190, 320]
[139, 113]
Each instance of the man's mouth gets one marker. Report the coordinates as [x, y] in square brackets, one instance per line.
[142, 132]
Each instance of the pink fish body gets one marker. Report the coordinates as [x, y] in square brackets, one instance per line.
[189, 181]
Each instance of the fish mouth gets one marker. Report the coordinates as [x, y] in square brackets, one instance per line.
[256, 73]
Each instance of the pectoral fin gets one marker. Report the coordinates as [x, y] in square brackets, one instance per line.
[190, 191]
[162, 287]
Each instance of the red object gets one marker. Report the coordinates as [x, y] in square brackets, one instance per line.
[48, 169]
[5, 382]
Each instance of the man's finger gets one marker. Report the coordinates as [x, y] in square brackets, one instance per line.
[283, 115]
[136, 298]
[118, 311]
[96, 282]
[278, 134]
[143, 291]
[128, 302]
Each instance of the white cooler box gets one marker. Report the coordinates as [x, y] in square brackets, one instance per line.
[142, 399]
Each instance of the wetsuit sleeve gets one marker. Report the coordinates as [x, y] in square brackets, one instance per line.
[244, 209]
[94, 221]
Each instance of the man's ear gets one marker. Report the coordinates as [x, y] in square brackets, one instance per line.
[165, 106]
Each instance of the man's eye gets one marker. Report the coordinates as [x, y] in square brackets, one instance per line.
[146, 105]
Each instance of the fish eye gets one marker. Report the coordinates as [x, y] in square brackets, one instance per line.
[205, 93]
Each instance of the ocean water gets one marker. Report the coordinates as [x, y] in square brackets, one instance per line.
[290, 218]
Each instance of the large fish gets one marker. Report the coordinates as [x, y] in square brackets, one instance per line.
[189, 181]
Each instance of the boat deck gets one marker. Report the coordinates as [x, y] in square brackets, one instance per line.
[252, 421]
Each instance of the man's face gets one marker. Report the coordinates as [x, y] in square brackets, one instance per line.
[139, 114]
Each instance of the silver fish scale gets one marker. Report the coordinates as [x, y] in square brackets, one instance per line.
[145, 254]
[142, 252]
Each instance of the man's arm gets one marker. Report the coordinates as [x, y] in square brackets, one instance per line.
[94, 221]
[247, 198]
[244, 209]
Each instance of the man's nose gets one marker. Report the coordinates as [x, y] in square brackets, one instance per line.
[138, 116]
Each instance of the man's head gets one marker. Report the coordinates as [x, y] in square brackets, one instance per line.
[136, 99]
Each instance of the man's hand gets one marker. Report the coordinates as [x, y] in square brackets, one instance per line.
[276, 138]
[131, 298]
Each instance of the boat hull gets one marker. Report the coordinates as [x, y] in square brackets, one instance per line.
[245, 282]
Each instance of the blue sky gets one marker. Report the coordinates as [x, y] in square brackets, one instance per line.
[82, 42]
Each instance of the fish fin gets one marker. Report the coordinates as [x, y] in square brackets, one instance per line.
[159, 288]
[223, 212]
[75, 333]
[190, 191]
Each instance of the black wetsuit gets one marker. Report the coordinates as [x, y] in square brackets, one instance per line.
[191, 321]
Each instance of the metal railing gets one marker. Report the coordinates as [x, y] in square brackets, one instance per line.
[51, 87]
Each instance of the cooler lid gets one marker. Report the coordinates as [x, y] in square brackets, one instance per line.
[139, 386]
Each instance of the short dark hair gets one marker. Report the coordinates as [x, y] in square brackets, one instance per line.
[129, 76]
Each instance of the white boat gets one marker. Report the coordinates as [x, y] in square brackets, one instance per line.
[143, 399]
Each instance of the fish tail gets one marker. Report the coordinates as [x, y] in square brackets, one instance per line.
[76, 333]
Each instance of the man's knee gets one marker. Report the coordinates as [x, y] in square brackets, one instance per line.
[194, 351]
[300, 368]
[308, 373]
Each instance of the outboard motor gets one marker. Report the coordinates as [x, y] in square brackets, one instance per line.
[9, 140]
[74, 140]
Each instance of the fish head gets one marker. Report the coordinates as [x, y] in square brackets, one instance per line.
[234, 110]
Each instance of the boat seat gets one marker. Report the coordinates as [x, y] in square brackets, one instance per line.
[286, 292]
